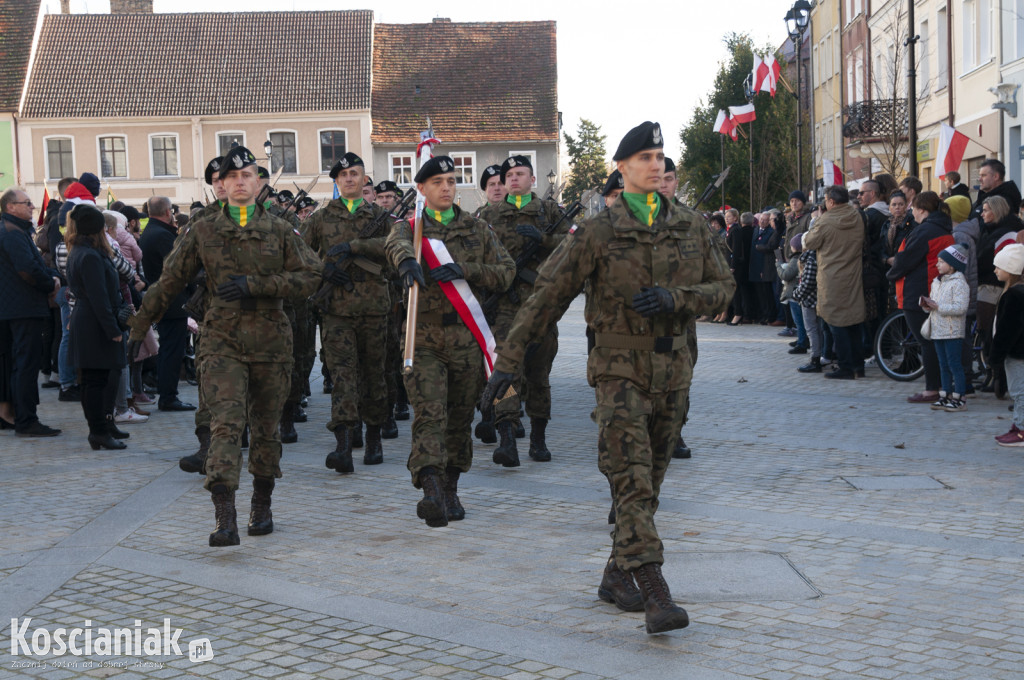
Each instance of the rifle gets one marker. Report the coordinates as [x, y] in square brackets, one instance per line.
[319, 299]
[302, 193]
[528, 253]
[716, 183]
[265, 190]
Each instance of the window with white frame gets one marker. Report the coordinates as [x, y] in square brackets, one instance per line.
[1014, 47]
[977, 32]
[465, 168]
[400, 166]
[332, 148]
[942, 74]
[225, 140]
[815, 74]
[283, 153]
[60, 158]
[924, 59]
[532, 155]
[163, 150]
[113, 156]
[858, 72]
[826, 57]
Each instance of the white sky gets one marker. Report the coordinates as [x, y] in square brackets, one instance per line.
[619, 63]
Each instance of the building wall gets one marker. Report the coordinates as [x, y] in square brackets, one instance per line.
[8, 168]
[856, 79]
[827, 82]
[1012, 71]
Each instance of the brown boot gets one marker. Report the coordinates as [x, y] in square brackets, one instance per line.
[288, 433]
[197, 461]
[432, 508]
[373, 454]
[226, 532]
[451, 495]
[618, 588]
[660, 612]
[340, 458]
[261, 520]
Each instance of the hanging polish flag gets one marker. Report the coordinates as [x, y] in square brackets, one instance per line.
[759, 73]
[742, 114]
[833, 175]
[724, 125]
[773, 71]
[952, 145]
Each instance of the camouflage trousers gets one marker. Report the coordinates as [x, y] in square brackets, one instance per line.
[203, 418]
[244, 391]
[637, 434]
[304, 349]
[393, 363]
[691, 345]
[444, 387]
[533, 377]
[354, 347]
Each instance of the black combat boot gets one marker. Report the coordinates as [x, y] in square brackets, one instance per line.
[538, 447]
[813, 366]
[340, 458]
[374, 452]
[226, 532]
[357, 435]
[100, 437]
[197, 461]
[401, 403]
[485, 432]
[390, 428]
[300, 415]
[618, 588]
[261, 520]
[288, 433]
[451, 494]
[660, 612]
[682, 450]
[431, 508]
[506, 454]
[520, 431]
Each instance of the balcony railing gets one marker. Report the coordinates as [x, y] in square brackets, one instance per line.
[876, 118]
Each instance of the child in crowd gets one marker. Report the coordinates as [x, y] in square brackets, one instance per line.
[806, 295]
[1008, 338]
[947, 305]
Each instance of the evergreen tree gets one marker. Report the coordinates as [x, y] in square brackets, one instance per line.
[586, 160]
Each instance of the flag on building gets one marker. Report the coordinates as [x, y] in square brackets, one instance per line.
[42, 208]
[833, 175]
[724, 125]
[742, 114]
[952, 145]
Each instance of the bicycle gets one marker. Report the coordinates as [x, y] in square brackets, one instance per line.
[899, 355]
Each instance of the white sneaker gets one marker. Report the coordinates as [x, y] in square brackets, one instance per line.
[129, 416]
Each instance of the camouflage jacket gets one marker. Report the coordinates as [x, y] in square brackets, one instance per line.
[276, 264]
[472, 245]
[616, 255]
[505, 217]
[334, 224]
[288, 216]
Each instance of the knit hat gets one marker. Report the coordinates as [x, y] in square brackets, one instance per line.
[88, 220]
[959, 208]
[798, 195]
[1010, 259]
[955, 256]
[796, 244]
[90, 182]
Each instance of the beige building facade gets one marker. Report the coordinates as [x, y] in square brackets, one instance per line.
[827, 84]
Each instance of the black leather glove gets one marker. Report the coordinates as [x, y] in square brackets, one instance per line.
[336, 275]
[235, 288]
[530, 231]
[495, 388]
[411, 271]
[447, 272]
[340, 251]
[651, 301]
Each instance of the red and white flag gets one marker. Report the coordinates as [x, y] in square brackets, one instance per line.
[724, 125]
[952, 145]
[833, 175]
[759, 73]
[742, 114]
[771, 80]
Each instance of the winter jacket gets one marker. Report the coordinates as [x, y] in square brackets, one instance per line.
[762, 255]
[806, 291]
[738, 240]
[92, 279]
[967, 234]
[914, 266]
[789, 274]
[838, 239]
[952, 294]
[157, 242]
[897, 233]
[25, 281]
[1008, 340]
[1007, 190]
[993, 238]
[795, 224]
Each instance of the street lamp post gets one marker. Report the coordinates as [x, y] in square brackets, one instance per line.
[796, 24]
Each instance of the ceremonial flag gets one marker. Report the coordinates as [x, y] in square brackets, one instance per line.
[833, 175]
[759, 73]
[742, 114]
[42, 209]
[111, 199]
[724, 125]
[336, 194]
[772, 72]
[952, 145]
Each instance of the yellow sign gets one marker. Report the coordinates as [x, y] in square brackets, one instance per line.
[924, 150]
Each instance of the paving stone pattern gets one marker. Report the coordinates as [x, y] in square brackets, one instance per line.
[801, 537]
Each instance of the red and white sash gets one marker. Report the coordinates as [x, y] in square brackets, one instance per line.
[458, 293]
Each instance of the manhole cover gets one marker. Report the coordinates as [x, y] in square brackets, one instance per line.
[895, 483]
[735, 577]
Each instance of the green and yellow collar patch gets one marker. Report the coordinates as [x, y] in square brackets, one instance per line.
[645, 207]
[351, 203]
[519, 201]
[242, 214]
[442, 216]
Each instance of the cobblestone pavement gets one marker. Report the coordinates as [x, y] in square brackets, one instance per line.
[822, 530]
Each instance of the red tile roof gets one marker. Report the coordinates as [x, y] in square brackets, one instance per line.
[17, 25]
[478, 82]
[121, 65]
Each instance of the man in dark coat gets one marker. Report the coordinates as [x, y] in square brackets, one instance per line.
[992, 181]
[25, 284]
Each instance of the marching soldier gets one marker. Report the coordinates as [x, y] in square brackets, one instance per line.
[651, 267]
[304, 207]
[448, 364]
[492, 186]
[355, 321]
[253, 261]
[521, 218]
[388, 196]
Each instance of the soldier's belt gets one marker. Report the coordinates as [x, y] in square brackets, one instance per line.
[439, 318]
[641, 343]
[249, 304]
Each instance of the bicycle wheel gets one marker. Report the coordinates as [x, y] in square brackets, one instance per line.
[897, 351]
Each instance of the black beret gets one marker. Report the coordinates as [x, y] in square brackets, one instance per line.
[304, 202]
[262, 172]
[285, 195]
[515, 162]
[213, 168]
[369, 182]
[646, 135]
[670, 165]
[239, 157]
[438, 165]
[614, 182]
[345, 162]
[489, 172]
[88, 220]
[388, 185]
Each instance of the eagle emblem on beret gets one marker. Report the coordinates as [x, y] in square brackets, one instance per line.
[512, 162]
[492, 171]
[215, 164]
[237, 160]
[343, 162]
[443, 165]
[656, 134]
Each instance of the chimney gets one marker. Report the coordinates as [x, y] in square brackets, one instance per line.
[442, 20]
[65, 6]
[131, 6]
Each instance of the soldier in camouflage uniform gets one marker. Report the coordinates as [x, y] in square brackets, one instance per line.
[493, 188]
[253, 261]
[355, 319]
[448, 364]
[388, 196]
[651, 268]
[612, 189]
[517, 221]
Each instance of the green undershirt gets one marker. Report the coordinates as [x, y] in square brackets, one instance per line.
[519, 201]
[645, 207]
